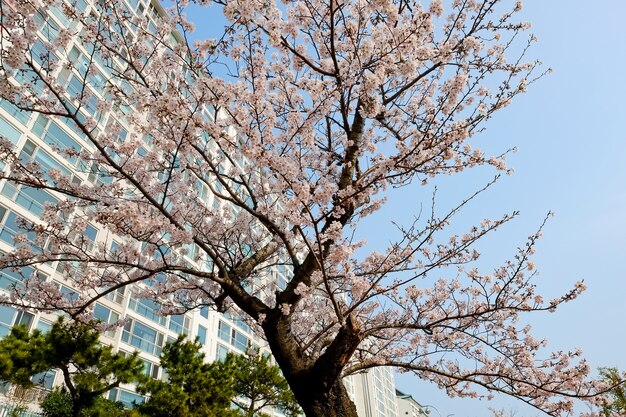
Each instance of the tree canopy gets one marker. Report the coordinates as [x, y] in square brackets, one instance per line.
[193, 388]
[235, 171]
[89, 369]
[59, 403]
[616, 404]
[237, 386]
[259, 384]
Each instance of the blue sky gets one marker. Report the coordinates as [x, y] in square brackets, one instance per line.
[569, 131]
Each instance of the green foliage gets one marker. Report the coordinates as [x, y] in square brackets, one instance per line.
[89, 369]
[617, 407]
[104, 407]
[196, 388]
[58, 403]
[258, 384]
[22, 355]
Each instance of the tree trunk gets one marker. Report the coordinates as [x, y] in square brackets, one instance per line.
[319, 403]
[317, 385]
[76, 409]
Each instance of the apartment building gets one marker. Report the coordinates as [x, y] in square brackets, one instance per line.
[375, 393]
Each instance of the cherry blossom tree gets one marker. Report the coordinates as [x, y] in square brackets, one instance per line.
[233, 172]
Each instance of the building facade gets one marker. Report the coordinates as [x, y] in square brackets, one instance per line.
[408, 407]
[375, 393]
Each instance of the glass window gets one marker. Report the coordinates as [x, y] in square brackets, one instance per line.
[90, 235]
[133, 3]
[40, 125]
[81, 5]
[150, 369]
[29, 149]
[27, 76]
[281, 281]
[54, 10]
[41, 54]
[241, 323]
[75, 87]
[101, 312]
[129, 398]
[179, 324]
[240, 341]
[105, 314]
[68, 293]
[8, 131]
[6, 320]
[47, 26]
[97, 80]
[78, 60]
[98, 175]
[126, 397]
[11, 227]
[47, 162]
[57, 137]
[148, 309]
[223, 331]
[117, 296]
[158, 278]
[204, 311]
[202, 334]
[44, 326]
[145, 332]
[22, 116]
[221, 353]
[11, 278]
[32, 199]
[91, 232]
[142, 337]
[24, 318]
[31, 153]
[91, 104]
[44, 379]
[113, 394]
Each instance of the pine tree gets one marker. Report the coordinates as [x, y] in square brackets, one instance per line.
[193, 388]
[260, 384]
[238, 386]
[88, 368]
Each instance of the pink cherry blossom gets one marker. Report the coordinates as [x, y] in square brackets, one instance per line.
[216, 165]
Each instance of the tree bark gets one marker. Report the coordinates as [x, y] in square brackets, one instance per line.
[315, 402]
[317, 385]
[318, 388]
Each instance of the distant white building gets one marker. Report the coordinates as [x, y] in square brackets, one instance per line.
[407, 406]
[374, 393]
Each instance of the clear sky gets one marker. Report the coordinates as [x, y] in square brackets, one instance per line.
[569, 129]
